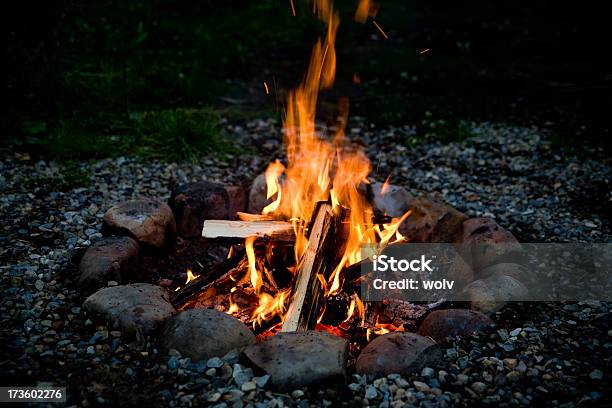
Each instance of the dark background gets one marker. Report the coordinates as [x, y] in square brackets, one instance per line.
[97, 79]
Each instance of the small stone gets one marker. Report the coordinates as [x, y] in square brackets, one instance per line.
[462, 378]
[427, 372]
[515, 332]
[479, 387]
[596, 374]
[173, 363]
[370, 392]
[297, 394]
[421, 386]
[214, 362]
[510, 362]
[261, 381]
[214, 397]
[211, 372]
[249, 386]
[521, 367]
[39, 285]
[242, 374]
[354, 387]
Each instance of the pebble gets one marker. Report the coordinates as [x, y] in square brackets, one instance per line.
[532, 187]
[370, 392]
[479, 387]
[421, 386]
[214, 362]
[249, 386]
[596, 374]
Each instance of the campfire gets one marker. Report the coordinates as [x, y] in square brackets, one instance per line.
[295, 266]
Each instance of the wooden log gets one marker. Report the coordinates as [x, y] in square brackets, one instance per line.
[307, 293]
[270, 230]
[217, 271]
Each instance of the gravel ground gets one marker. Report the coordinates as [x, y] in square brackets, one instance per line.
[544, 354]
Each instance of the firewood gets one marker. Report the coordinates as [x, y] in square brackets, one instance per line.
[307, 291]
[270, 230]
[203, 281]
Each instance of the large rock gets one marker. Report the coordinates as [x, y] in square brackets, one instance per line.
[258, 198]
[490, 294]
[299, 358]
[490, 243]
[195, 202]
[401, 353]
[518, 272]
[205, 333]
[432, 221]
[393, 201]
[136, 309]
[452, 322]
[150, 222]
[109, 259]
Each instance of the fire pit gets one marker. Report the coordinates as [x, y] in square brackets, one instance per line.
[290, 282]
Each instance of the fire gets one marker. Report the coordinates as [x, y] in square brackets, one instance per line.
[191, 276]
[365, 9]
[318, 168]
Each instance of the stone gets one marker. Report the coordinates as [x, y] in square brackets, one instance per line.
[393, 201]
[518, 272]
[136, 309]
[249, 386]
[296, 359]
[490, 294]
[193, 203]
[109, 259]
[421, 386]
[205, 333]
[441, 324]
[403, 353]
[596, 374]
[479, 387]
[491, 244]
[258, 195]
[432, 221]
[370, 392]
[150, 222]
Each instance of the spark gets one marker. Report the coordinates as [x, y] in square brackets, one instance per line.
[380, 30]
[266, 88]
[424, 51]
[292, 8]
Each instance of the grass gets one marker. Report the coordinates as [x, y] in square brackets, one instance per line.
[146, 77]
[168, 135]
[179, 135]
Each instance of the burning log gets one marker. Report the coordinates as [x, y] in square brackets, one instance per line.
[308, 292]
[269, 230]
[217, 272]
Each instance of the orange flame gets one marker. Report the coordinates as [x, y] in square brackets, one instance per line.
[191, 276]
[319, 169]
[365, 9]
